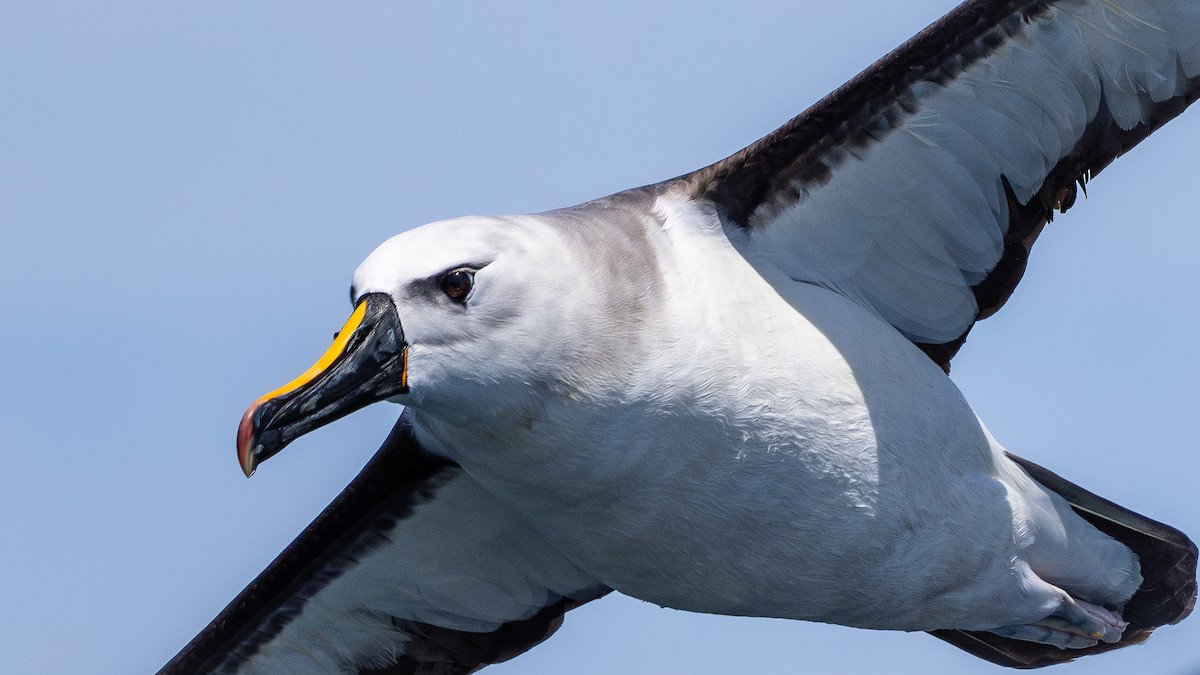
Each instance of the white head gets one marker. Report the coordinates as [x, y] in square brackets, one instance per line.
[478, 324]
[500, 313]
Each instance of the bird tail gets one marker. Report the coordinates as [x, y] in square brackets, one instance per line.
[1167, 594]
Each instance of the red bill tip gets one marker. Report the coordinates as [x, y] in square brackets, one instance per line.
[245, 441]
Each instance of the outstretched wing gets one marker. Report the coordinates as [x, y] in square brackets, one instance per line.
[919, 187]
[412, 569]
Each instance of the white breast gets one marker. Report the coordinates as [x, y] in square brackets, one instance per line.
[762, 452]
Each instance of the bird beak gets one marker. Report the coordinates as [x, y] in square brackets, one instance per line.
[367, 362]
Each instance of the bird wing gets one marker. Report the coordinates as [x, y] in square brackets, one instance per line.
[918, 188]
[413, 569]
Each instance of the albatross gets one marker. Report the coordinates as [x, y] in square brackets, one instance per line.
[727, 392]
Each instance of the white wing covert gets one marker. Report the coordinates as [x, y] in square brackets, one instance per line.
[413, 569]
[918, 188]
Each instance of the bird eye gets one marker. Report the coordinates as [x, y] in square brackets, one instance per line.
[457, 284]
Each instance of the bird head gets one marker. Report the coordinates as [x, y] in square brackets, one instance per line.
[472, 320]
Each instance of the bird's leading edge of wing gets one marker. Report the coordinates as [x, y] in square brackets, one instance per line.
[412, 569]
[918, 188]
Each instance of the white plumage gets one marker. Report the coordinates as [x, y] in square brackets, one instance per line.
[908, 225]
[725, 392]
[772, 429]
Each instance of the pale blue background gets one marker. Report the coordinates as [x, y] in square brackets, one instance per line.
[185, 188]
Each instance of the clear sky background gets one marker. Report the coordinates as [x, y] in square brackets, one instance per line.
[186, 187]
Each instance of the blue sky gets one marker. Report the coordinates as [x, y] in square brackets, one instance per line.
[186, 187]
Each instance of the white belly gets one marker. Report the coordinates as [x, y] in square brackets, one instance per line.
[797, 482]
[775, 456]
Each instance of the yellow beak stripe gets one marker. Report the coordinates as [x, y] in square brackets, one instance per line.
[335, 350]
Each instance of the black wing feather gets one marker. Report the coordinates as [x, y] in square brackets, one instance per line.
[756, 183]
[399, 476]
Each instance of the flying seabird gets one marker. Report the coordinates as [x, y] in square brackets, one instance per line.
[725, 392]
